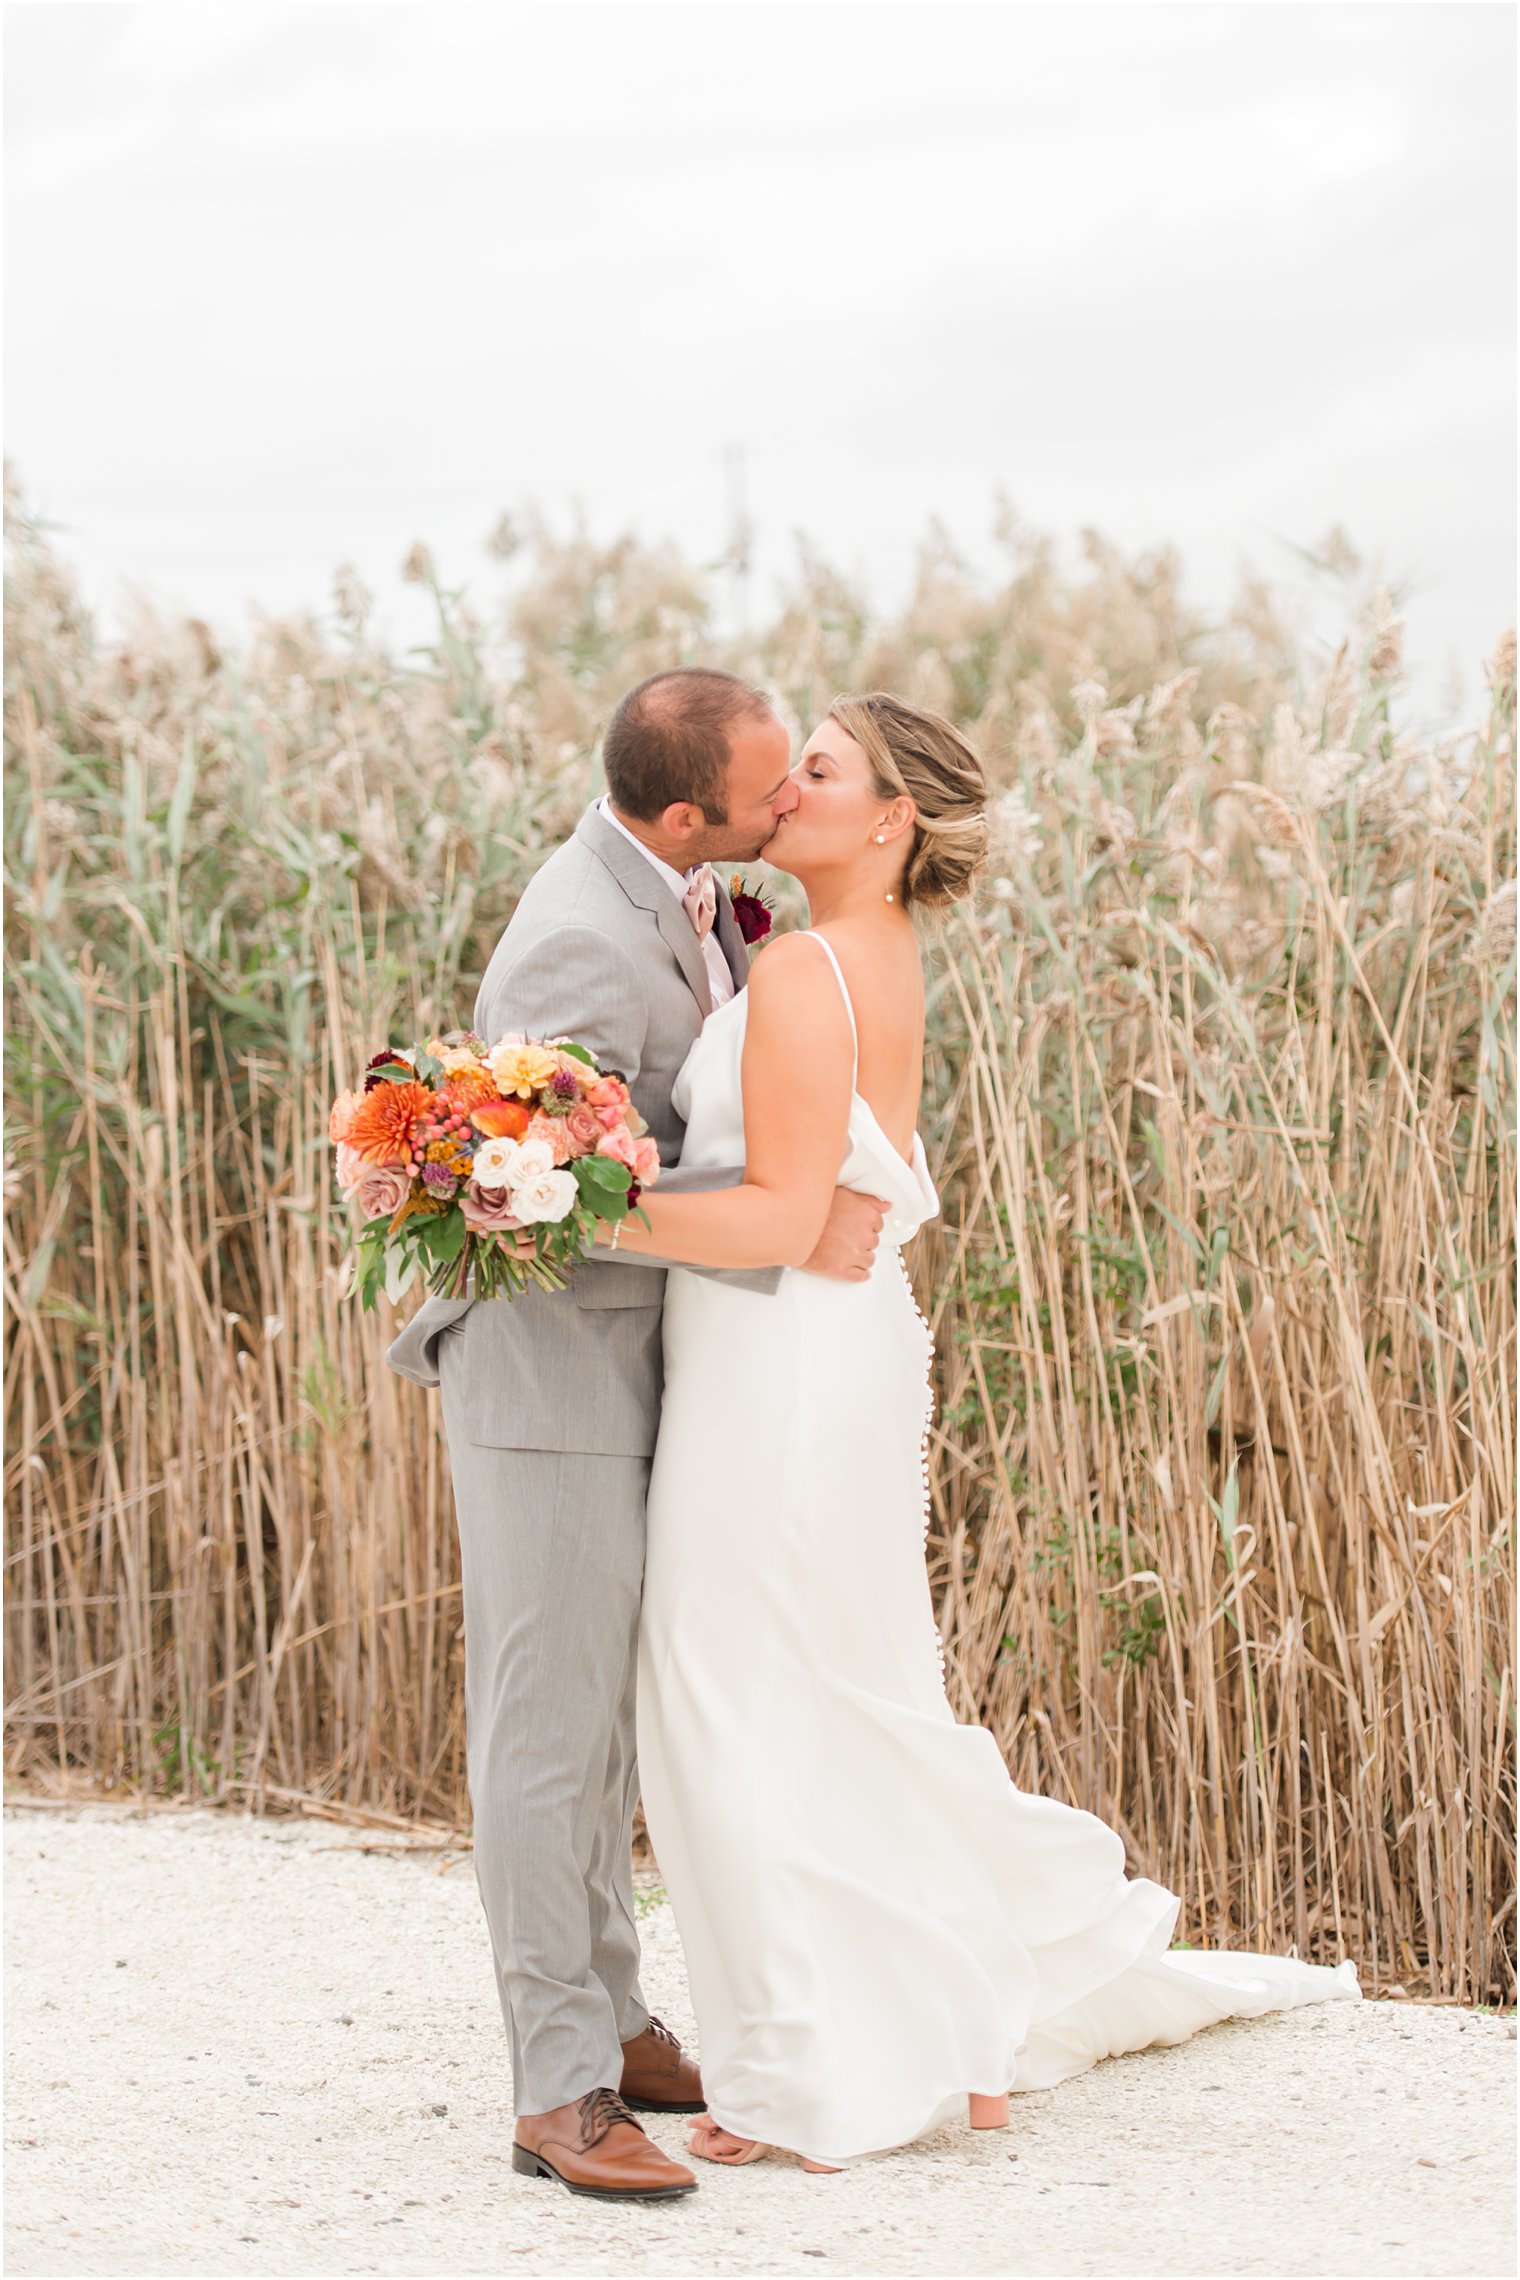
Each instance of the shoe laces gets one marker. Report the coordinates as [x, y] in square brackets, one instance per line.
[661, 2032]
[599, 2109]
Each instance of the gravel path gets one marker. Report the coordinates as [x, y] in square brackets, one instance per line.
[241, 2046]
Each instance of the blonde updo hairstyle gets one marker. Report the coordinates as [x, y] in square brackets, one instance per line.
[918, 754]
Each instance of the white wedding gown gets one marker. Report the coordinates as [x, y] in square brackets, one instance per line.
[876, 1921]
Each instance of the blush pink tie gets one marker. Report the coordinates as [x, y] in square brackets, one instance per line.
[700, 900]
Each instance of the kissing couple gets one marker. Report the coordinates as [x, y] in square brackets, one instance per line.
[692, 1502]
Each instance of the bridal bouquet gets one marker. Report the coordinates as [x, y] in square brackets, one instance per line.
[458, 1155]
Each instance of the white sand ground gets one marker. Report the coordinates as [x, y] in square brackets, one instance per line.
[248, 2047]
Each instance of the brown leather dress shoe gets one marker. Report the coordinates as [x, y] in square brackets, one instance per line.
[658, 2077]
[594, 2146]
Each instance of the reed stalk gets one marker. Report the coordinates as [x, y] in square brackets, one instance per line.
[1221, 1103]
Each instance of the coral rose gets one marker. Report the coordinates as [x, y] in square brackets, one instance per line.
[342, 1114]
[384, 1123]
[620, 1146]
[646, 1162]
[609, 1092]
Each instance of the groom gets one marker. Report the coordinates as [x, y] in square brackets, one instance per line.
[625, 940]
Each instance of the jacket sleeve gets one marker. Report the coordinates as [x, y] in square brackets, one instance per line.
[576, 982]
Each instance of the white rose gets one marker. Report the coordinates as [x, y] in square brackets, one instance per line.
[506, 1163]
[530, 1160]
[493, 1162]
[546, 1195]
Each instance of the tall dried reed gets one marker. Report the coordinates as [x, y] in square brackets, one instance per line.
[1221, 1103]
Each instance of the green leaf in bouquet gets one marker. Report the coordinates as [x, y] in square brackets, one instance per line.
[429, 1229]
[578, 1053]
[600, 1176]
[429, 1069]
[448, 1237]
[370, 1270]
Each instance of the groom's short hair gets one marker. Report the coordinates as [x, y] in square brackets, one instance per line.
[668, 741]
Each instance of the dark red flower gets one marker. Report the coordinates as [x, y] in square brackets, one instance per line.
[752, 912]
[386, 1060]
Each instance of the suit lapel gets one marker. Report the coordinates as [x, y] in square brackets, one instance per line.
[643, 885]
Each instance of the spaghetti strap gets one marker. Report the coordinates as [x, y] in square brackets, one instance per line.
[815, 936]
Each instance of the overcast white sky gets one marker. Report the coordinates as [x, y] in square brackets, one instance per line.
[292, 285]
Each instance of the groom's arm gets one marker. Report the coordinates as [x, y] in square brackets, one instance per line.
[575, 982]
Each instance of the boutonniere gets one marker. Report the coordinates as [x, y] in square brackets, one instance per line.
[752, 911]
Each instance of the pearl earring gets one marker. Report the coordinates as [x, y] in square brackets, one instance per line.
[881, 839]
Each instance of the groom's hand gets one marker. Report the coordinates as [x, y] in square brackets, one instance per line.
[847, 1247]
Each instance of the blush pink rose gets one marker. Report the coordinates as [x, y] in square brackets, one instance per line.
[646, 1162]
[381, 1190]
[487, 1210]
[620, 1146]
[584, 1128]
[351, 1167]
[551, 1130]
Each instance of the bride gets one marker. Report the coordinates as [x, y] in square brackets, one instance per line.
[882, 1933]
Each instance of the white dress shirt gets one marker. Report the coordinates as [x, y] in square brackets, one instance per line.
[719, 980]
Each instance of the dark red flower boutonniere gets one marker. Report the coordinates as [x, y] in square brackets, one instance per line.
[752, 911]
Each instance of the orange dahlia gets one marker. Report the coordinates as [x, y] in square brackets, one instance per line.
[384, 1122]
[466, 1088]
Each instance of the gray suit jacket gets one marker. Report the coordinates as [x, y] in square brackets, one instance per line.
[598, 949]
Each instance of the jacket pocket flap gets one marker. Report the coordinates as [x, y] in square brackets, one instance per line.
[595, 1284]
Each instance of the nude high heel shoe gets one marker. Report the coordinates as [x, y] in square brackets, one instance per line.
[988, 2113]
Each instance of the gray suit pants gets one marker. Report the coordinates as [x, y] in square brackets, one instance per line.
[552, 1551]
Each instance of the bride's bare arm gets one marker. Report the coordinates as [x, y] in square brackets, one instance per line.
[796, 1073]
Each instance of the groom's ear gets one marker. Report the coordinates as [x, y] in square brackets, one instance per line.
[683, 821]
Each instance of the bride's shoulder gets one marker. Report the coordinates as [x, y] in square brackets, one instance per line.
[794, 975]
[790, 961]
